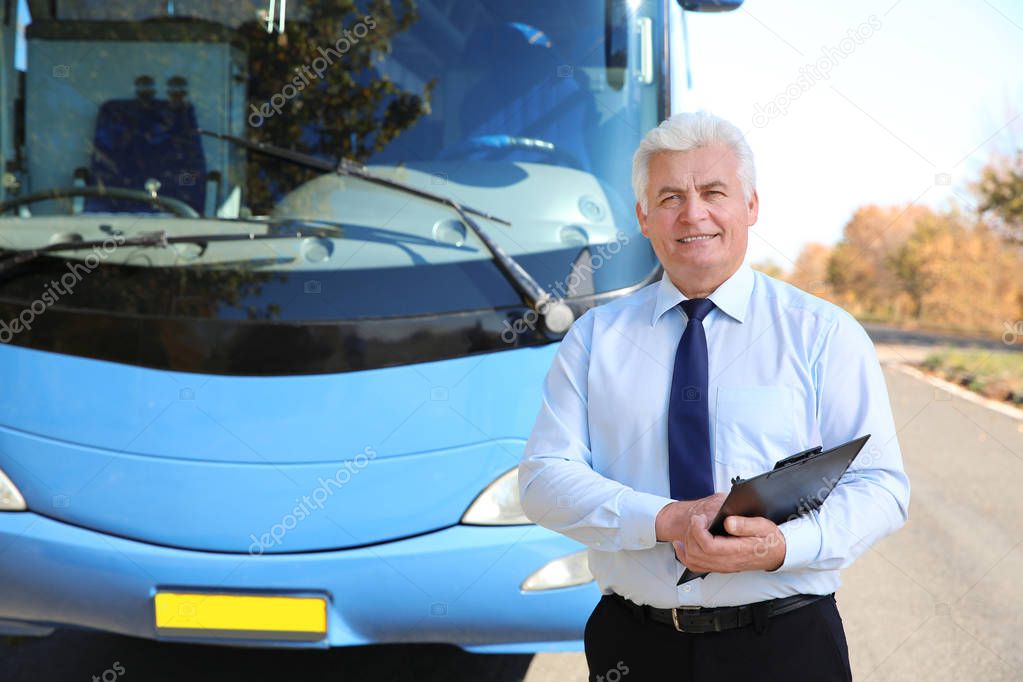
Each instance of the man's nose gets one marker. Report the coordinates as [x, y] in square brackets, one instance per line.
[694, 210]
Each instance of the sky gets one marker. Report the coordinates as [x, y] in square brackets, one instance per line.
[907, 108]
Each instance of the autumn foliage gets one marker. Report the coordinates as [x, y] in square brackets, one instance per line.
[916, 266]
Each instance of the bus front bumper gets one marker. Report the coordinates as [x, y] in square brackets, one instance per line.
[460, 585]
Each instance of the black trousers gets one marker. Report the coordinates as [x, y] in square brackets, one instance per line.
[807, 644]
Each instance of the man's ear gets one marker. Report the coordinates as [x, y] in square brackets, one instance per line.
[754, 208]
[641, 217]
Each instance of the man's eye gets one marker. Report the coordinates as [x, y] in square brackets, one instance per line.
[715, 192]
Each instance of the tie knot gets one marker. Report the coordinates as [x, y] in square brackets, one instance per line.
[697, 308]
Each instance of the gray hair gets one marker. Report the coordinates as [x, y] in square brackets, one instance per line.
[685, 132]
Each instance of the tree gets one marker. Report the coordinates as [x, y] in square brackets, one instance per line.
[769, 268]
[957, 275]
[810, 272]
[1000, 190]
[860, 271]
[340, 105]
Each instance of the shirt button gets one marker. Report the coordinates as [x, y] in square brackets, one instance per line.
[687, 588]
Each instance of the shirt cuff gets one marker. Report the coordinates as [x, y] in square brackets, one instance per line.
[802, 543]
[638, 519]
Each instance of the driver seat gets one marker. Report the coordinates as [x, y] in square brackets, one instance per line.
[537, 95]
[144, 139]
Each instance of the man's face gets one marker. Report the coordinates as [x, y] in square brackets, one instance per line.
[697, 193]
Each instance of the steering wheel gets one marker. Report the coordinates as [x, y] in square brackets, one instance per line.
[169, 204]
[497, 147]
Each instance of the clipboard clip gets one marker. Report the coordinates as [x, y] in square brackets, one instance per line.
[792, 459]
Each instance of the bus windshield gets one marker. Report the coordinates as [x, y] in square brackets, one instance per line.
[118, 118]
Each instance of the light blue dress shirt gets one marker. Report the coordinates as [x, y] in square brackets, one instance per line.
[787, 371]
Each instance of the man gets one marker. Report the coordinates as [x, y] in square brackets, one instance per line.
[657, 400]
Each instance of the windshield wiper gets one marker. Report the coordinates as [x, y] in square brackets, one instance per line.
[556, 314]
[158, 239]
[346, 167]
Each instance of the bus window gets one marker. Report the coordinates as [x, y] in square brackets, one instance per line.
[528, 110]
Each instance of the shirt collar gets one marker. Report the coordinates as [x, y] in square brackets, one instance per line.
[732, 297]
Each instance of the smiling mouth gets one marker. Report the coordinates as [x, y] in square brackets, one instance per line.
[698, 238]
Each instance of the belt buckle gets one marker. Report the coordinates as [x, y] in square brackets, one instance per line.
[674, 615]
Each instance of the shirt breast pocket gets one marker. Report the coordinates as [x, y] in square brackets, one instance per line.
[753, 429]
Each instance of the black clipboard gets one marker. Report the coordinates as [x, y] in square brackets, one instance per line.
[796, 485]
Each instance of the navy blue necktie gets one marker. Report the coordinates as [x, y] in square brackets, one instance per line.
[690, 469]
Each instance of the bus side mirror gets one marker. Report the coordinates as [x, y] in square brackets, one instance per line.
[710, 5]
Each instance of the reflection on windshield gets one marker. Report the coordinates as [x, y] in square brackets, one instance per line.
[317, 88]
[528, 110]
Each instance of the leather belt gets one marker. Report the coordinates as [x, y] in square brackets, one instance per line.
[699, 619]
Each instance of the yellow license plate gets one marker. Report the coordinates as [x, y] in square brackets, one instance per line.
[238, 616]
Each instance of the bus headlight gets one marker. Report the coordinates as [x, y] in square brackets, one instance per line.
[10, 496]
[567, 571]
[498, 504]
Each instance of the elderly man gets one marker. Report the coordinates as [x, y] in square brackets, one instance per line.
[657, 400]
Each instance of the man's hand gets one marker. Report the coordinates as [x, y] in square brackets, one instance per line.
[758, 545]
[673, 520]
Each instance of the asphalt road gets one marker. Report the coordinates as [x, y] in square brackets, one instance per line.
[884, 334]
[939, 600]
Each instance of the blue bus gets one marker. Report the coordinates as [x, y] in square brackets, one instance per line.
[279, 286]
